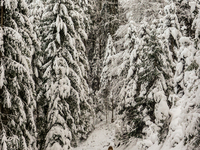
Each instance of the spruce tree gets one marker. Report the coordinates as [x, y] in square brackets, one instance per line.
[128, 90]
[187, 78]
[104, 21]
[171, 29]
[17, 88]
[186, 101]
[36, 9]
[108, 23]
[187, 15]
[186, 12]
[65, 99]
[148, 84]
[105, 78]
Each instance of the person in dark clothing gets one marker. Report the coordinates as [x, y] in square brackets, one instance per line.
[110, 148]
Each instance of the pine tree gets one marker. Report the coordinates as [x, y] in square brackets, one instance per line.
[66, 101]
[114, 76]
[128, 91]
[172, 32]
[104, 21]
[148, 84]
[186, 12]
[108, 23]
[186, 102]
[105, 78]
[185, 81]
[17, 87]
[36, 8]
[190, 83]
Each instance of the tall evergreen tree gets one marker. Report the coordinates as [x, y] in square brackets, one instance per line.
[186, 78]
[108, 23]
[186, 11]
[66, 100]
[17, 88]
[172, 32]
[151, 76]
[146, 76]
[36, 9]
[105, 91]
[105, 21]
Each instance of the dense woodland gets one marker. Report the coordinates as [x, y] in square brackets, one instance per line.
[66, 65]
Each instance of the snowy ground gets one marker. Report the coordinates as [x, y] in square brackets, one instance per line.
[104, 136]
[100, 139]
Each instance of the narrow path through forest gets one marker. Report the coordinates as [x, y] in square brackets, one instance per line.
[100, 139]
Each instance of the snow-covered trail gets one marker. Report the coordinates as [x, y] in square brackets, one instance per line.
[100, 139]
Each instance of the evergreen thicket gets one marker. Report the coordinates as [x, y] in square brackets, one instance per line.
[66, 65]
[18, 103]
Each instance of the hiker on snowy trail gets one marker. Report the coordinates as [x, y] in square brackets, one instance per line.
[110, 148]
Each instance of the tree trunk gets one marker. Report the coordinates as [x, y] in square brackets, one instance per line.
[1, 33]
[1, 13]
[112, 119]
[113, 10]
[107, 111]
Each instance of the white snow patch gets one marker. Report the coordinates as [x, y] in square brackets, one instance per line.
[100, 139]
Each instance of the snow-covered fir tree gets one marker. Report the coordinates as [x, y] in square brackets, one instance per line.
[35, 12]
[186, 12]
[126, 81]
[17, 106]
[36, 8]
[105, 80]
[142, 77]
[171, 130]
[108, 23]
[186, 71]
[147, 85]
[172, 32]
[105, 20]
[66, 100]
[185, 103]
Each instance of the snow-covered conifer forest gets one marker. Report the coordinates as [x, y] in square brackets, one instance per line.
[89, 74]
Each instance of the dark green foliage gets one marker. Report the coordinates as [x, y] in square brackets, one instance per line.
[196, 142]
[104, 21]
[150, 74]
[17, 93]
[65, 65]
[151, 62]
[192, 66]
[185, 17]
[134, 115]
